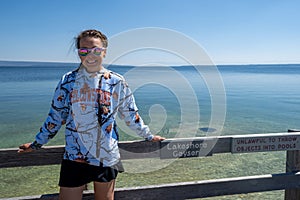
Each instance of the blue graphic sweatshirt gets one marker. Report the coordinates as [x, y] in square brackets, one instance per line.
[88, 105]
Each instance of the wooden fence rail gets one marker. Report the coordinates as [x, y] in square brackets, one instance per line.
[184, 148]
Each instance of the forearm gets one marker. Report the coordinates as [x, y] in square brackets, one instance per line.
[49, 129]
[135, 123]
[56, 117]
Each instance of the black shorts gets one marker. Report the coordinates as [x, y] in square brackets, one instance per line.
[75, 174]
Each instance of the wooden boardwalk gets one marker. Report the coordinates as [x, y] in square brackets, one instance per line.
[185, 148]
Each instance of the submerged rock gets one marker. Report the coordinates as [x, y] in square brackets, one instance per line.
[207, 129]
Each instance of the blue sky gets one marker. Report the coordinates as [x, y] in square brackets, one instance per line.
[230, 31]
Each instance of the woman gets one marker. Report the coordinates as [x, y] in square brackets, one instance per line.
[87, 100]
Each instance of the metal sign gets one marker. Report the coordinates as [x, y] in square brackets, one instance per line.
[264, 143]
[185, 148]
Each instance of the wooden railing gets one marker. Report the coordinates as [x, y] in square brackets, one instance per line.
[185, 148]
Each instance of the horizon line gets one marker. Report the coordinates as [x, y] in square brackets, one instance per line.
[171, 64]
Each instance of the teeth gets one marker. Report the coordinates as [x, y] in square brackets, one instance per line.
[91, 62]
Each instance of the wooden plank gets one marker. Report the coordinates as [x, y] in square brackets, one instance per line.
[202, 189]
[45, 156]
[137, 149]
[209, 188]
[49, 155]
[222, 145]
[292, 165]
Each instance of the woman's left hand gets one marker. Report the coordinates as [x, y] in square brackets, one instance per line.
[157, 138]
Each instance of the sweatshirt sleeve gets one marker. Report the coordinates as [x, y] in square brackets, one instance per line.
[128, 111]
[56, 118]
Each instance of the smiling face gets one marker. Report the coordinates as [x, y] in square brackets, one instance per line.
[91, 62]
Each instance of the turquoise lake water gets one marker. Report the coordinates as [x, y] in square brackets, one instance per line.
[259, 98]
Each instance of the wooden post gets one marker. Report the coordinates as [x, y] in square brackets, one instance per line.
[292, 166]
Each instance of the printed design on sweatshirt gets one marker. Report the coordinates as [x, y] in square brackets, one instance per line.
[104, 103]
[92, 113]
[75, 103]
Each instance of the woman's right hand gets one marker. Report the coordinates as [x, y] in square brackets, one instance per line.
[25, 148]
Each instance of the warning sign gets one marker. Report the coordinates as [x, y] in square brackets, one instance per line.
[242, 144]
